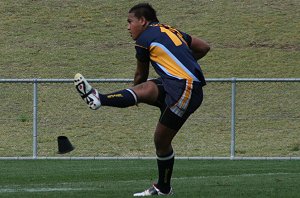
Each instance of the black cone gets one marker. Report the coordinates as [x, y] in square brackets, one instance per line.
[64, 145]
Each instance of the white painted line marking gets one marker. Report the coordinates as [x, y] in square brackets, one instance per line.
[32, 190]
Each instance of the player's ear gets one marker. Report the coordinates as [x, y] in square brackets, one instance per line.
[143, 21]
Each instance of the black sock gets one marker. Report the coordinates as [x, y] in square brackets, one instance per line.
[122, 99]
[165, 168]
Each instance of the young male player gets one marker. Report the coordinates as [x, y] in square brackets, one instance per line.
[178, 91]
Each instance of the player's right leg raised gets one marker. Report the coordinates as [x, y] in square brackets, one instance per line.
[123, 98]
[87, 93]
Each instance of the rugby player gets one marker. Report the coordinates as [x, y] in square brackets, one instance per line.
[177, 92]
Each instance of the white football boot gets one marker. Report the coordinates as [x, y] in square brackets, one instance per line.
[87, 93]
[152, 191]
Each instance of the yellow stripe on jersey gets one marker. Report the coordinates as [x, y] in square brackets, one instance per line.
[180, 107]
[169, 63]
[172, 33]
[172, 36]
[186, 95]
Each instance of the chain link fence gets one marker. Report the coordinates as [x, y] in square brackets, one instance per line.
[266, 121]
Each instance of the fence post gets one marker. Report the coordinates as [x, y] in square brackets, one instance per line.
[35, 110]
[233, 94]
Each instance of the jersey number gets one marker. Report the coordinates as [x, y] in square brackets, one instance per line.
[171, 34]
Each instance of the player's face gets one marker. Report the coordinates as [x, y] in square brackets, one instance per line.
[135, 26]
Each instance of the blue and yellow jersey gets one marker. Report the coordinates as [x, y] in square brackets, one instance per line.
[168, 51]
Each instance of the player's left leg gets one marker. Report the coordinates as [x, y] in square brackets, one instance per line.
[172, 119]
[163, 137]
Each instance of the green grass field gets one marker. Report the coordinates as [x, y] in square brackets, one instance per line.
[56, 39]
[121, 178]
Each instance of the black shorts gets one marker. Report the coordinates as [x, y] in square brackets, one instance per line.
[177, 100]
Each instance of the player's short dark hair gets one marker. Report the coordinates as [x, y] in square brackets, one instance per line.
[144, 10]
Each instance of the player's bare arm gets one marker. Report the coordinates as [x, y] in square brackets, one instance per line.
[141, 72]
[199, 47]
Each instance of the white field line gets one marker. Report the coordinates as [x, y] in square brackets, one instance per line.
[32, 190]
[211, 176]
[17, 188]
[241, 175]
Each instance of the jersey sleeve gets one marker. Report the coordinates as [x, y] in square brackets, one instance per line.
[187, 38]
[142, 53]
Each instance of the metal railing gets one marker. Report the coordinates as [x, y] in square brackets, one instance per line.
[233, 82]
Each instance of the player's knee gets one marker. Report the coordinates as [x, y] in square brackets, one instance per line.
[146, 92]
[162, 147]
[164, 150]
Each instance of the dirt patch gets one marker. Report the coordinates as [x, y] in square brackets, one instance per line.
[289, 47]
